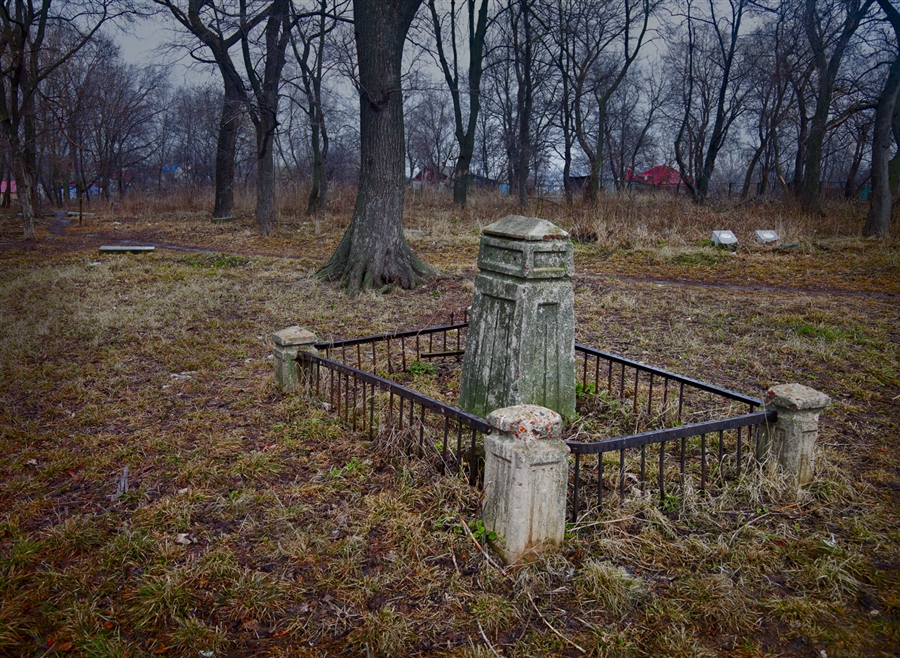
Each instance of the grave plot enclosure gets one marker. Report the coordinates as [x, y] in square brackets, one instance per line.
[638, 429]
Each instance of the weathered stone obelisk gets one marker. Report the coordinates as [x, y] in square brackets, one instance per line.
[520, 346]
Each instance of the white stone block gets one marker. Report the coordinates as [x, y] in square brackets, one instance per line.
[724, 238]
[286, 345]
[766, 236]
[526, 470]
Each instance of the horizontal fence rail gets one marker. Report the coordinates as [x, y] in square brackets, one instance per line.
[637, 366]
[393, 353]
[625, 407]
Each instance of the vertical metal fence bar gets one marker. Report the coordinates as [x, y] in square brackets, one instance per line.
[389, 361]
[680, 399]
[422, 431]
[473, 471]
[444, 445]
[584, 373]
[355, 401]
[418, 351]
[403, 352]
[681, 462]
[662, 468]
[459, 459]
[637, 376]
[344, 353]
[372, 413]
[359, 356]
[643, 466]
[444, 332]
[622, 384]
[575, 488]
[755, 438]
[600, 481]
[703, 463]
[400, 411]
[721, 456]
[364, 406]
[739, 447]
[347, 396]
[622, 474]
[374, 358]
[665, 401]
[597, 375]
[331, 388]
[650, 398]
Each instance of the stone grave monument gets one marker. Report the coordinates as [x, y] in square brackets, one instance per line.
[520, 346]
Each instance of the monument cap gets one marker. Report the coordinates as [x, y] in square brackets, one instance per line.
[517, 227]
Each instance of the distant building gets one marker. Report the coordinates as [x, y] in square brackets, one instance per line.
[659, 177]
[431, 175]
[11, 184]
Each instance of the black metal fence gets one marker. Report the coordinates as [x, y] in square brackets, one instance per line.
[711, 427]
[353, 378]
[370, 384]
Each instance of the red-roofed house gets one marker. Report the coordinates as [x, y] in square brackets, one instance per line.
[661, 176]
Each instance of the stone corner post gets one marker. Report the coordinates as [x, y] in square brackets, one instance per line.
[525, 478]
[286, 345]
[788, 445]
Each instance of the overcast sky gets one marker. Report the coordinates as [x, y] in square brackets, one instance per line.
[143, 43]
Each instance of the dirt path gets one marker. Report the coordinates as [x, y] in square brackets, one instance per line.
[61, 240]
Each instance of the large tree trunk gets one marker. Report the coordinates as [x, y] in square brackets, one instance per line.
[461, 173]
[827, 68]
[225, 151]
[878, 221]
[265, 170]
[318, 193]
[24, 191]
[373, 251]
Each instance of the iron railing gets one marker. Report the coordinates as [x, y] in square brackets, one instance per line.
[358, 380]
[370, 402]
[663, 407]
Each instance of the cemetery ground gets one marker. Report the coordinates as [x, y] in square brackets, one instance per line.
[255, 524]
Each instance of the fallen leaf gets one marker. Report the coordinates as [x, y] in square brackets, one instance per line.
[183, 538]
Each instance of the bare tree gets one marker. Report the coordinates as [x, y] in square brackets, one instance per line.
[465, 122]
[878, 220]
[216, 25]
[714, 39]
[830, 26]
[430, 134]
[770, 101]
[373, 251]
[263, 71]
[26, 63]
[309, 47]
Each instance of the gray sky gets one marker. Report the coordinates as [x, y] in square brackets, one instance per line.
[143, 42]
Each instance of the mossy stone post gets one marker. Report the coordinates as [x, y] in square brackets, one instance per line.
[525, 475]
[286, 345]
[520, 346]
[788, 445]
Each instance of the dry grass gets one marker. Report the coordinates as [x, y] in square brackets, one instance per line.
[255, 524]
